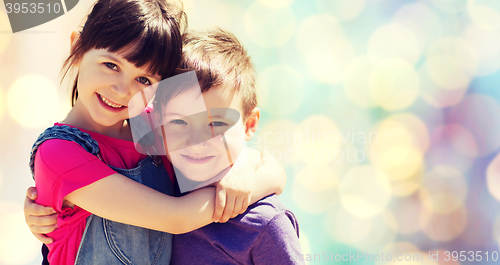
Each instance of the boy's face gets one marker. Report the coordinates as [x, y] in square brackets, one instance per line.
[204, 133]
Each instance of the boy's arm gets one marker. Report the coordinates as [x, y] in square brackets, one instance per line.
[40, 219]
[261, 176]
[278, 243]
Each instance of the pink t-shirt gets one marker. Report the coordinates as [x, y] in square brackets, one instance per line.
[62, 167]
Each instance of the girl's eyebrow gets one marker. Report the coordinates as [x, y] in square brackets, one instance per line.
[111, 57]
[116, 59]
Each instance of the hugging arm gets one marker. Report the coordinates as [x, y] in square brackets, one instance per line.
[261, 176]
[121, 199]
[133, 203]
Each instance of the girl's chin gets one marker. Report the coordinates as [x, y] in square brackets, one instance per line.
[107, 122]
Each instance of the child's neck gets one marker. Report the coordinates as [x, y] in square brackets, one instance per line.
[80, 117]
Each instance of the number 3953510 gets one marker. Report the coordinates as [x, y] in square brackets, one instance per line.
[33, 8]
[470, 255]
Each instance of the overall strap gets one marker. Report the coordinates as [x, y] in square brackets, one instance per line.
[64, 132]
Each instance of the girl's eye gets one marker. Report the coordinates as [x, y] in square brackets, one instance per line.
[144, 80]
[218, 123]
[111, 66]
[178, 122]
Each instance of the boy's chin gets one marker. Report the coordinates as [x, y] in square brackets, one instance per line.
[198, 176]
[204, 176]
[189, 180]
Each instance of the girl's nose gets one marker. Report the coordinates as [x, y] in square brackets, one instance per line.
[121, 89]
[124, 89]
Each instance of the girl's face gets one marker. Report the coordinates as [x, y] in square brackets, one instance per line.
[107, 82]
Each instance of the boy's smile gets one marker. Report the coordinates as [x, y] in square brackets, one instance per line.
[197, 159]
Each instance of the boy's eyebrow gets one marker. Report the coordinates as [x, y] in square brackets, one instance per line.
[173, 114]
[182, 115]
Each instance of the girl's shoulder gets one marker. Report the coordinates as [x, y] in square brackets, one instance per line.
[68, 164]
[62, 155]
[61, 148]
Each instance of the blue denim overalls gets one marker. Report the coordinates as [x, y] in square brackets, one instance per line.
[108, 242]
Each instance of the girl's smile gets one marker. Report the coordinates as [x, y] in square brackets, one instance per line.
[109, 102]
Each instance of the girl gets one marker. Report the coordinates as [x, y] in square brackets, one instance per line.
[124, 47]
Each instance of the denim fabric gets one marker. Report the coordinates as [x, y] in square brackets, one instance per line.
[108, 242]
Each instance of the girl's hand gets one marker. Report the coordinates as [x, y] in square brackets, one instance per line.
[40, 219]
[234, 192]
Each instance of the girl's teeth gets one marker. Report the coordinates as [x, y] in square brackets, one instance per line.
[109, 103]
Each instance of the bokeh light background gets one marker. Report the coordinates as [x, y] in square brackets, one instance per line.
[385, 113]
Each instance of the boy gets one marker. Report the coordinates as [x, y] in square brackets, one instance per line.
[203, 130]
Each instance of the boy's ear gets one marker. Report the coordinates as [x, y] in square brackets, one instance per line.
[252, 123]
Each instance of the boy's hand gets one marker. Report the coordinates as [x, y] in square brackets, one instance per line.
[234, 192]
[40, 219]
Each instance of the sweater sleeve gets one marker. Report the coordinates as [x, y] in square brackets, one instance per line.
[278, 243]
[62, 167]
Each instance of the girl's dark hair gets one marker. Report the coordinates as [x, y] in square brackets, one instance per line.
[147, 32]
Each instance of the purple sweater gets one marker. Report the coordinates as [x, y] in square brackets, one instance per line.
[267, 233]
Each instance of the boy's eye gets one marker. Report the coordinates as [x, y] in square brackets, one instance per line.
[111, 66]
[144, 80]
[218, 123]
[178, 122]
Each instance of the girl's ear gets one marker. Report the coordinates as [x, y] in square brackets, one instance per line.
[252, 123]
[73, 38]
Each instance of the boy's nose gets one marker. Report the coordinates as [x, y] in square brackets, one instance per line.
[199, 146]
[198, 136]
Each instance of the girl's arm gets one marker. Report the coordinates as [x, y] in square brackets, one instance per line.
[261, 176]
[121, 199]
[117, 197]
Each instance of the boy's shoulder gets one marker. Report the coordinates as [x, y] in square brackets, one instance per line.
[265, 221]
[262, 212]
[263, 217]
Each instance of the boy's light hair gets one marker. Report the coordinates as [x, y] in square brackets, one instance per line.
[218, 59]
